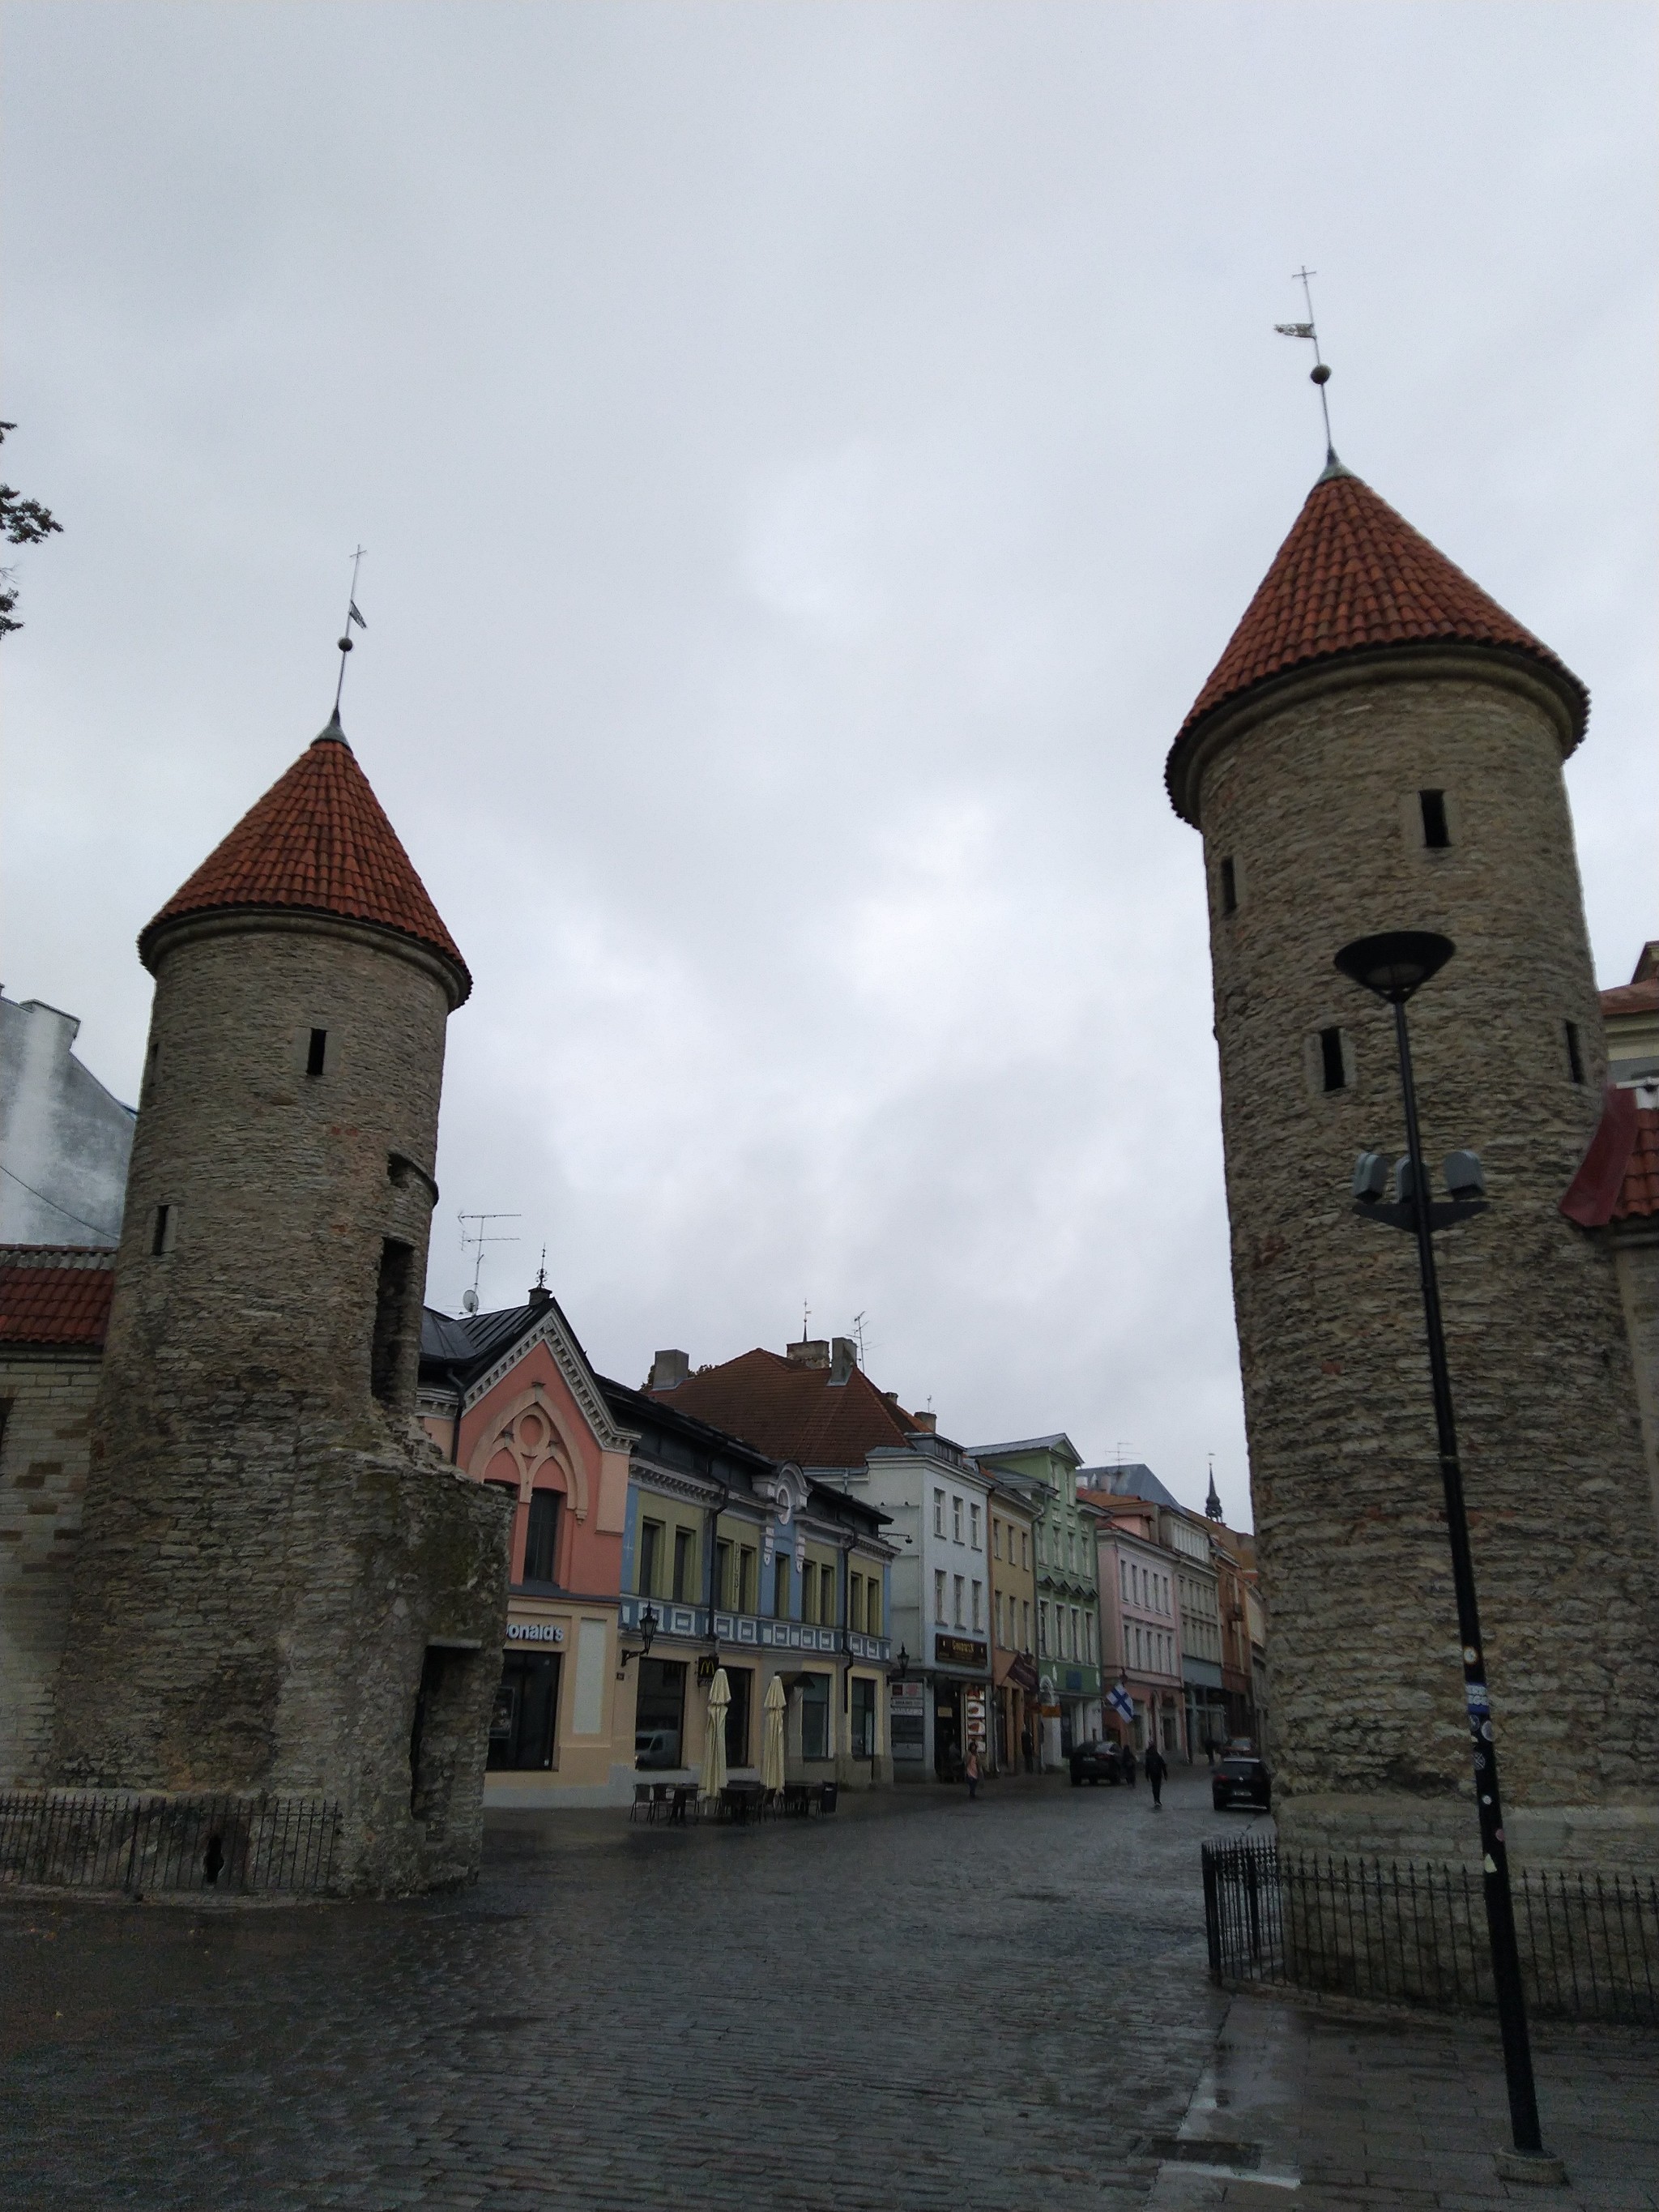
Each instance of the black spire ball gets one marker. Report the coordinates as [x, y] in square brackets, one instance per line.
[345, 645]
[1321, 374]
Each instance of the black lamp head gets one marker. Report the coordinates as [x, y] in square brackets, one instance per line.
[1397, 964]
[648, 1625]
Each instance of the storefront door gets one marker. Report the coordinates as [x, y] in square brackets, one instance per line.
[521, 1725]
[947, 1730]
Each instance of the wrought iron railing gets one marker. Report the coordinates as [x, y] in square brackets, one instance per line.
[1416, 1934]
[138, 1841]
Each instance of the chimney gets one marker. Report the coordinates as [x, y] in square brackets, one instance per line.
[540, 1296]
[843, 1359]
[811, 1351]
[928, 1423]
[668, 1371]
[889, 1398]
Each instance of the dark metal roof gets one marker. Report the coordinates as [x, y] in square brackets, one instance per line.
[1134, 1480]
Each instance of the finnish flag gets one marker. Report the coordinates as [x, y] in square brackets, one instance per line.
[1120, 1702]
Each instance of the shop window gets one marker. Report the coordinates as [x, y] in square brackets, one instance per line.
[524, 1722]
[781, 1591]
[660, 1712]
[650, 1552]
[862, 1719]
[815, 1716]
[540, 1541]
[390, 1311]
[741, 1682]
[685, 1565]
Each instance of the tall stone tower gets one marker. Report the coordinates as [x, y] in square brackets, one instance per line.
[1381, 747]
[281, 1587]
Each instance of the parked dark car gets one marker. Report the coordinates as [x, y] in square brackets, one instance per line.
[1240, 1779]
[1094, 1761]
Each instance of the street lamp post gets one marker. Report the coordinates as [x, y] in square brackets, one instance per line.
[1393, 966]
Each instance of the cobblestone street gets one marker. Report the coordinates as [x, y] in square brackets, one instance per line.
[918, 2003]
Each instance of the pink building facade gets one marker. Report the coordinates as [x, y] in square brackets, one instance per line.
[1140, 1624]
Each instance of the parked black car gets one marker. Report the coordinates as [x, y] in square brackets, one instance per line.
[1094, 1761]
[1240, 1779]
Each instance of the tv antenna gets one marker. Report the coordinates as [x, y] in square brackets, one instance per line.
[1320, 372]
[475, 1239]
[858, 1338]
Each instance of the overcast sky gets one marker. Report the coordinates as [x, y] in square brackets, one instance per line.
[810, 458]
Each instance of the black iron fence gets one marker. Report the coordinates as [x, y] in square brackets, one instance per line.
[1416, 1933]
[140, 1842]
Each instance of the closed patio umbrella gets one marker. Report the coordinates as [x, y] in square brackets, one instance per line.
[776, 1705]
[713, 1744]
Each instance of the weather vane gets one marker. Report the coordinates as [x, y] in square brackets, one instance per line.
[1320, 372]
[352, 616]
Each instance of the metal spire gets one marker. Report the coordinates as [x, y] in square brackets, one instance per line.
[1319, 373]
[352, 616]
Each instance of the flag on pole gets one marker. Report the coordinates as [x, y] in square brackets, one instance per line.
[1294, 330]
[352, 615]
[1120, 1702]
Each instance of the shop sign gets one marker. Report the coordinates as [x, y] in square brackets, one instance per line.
[534, 1632]
[1050, 1712]
[959, 1650]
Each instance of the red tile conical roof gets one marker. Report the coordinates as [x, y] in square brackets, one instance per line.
[1354, 576]
[318, 842]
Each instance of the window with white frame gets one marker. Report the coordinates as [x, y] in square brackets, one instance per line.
[956, 1520]
[973, 1527]
[996, 1538]
[960, 1593]
[939, 1512]
[1025, 1616]
[979, 1605]
[939, 1596]
[1042, 1626]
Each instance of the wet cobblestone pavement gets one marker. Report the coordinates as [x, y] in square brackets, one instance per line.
[918, 2003]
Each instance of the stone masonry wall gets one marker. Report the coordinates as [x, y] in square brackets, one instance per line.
[271, 1550]
[47, 1397]
[1316, 806]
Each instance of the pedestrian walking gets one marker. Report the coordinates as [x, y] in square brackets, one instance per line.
[972, 1771]
[1156, 1768]
[1209, 1749]
[1129, 1765]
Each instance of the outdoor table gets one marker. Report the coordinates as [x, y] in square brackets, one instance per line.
[685, 1793]
[741, 1801]
[797, 1798]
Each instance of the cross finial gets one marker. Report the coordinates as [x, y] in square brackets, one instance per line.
[1320, 372]
[352, 616]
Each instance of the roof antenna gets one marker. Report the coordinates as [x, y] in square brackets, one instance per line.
[352, 616]
[1320, 372]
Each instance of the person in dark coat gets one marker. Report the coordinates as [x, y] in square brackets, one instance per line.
[1128, 1756]
[1156, 1768]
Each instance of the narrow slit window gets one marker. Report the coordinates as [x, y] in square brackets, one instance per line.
[391, 1318]
[1229, 886]
[1331, 1061]
[1436, 835]
[1574, 1052]
[161, 1234]
[317, 1052]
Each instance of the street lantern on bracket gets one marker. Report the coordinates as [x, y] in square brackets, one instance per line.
[1394, 966]
[648, 1630]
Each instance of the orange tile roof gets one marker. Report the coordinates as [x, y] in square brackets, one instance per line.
[1632, 998]
[1619, 1177]
[790, 1412]
[55, 1295]
[318, 842]
[1353, 576]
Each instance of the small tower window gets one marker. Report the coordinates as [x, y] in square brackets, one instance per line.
[1574, 1052]
[1229, 886]
[1435, 833]
[1333, 1067]
[161, 1235]
[390, 1305]
[317, 1052]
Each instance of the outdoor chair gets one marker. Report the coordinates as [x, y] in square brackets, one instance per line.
[644, 1805]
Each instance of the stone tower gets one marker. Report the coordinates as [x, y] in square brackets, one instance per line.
[281, 1587]
[1381, 747]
